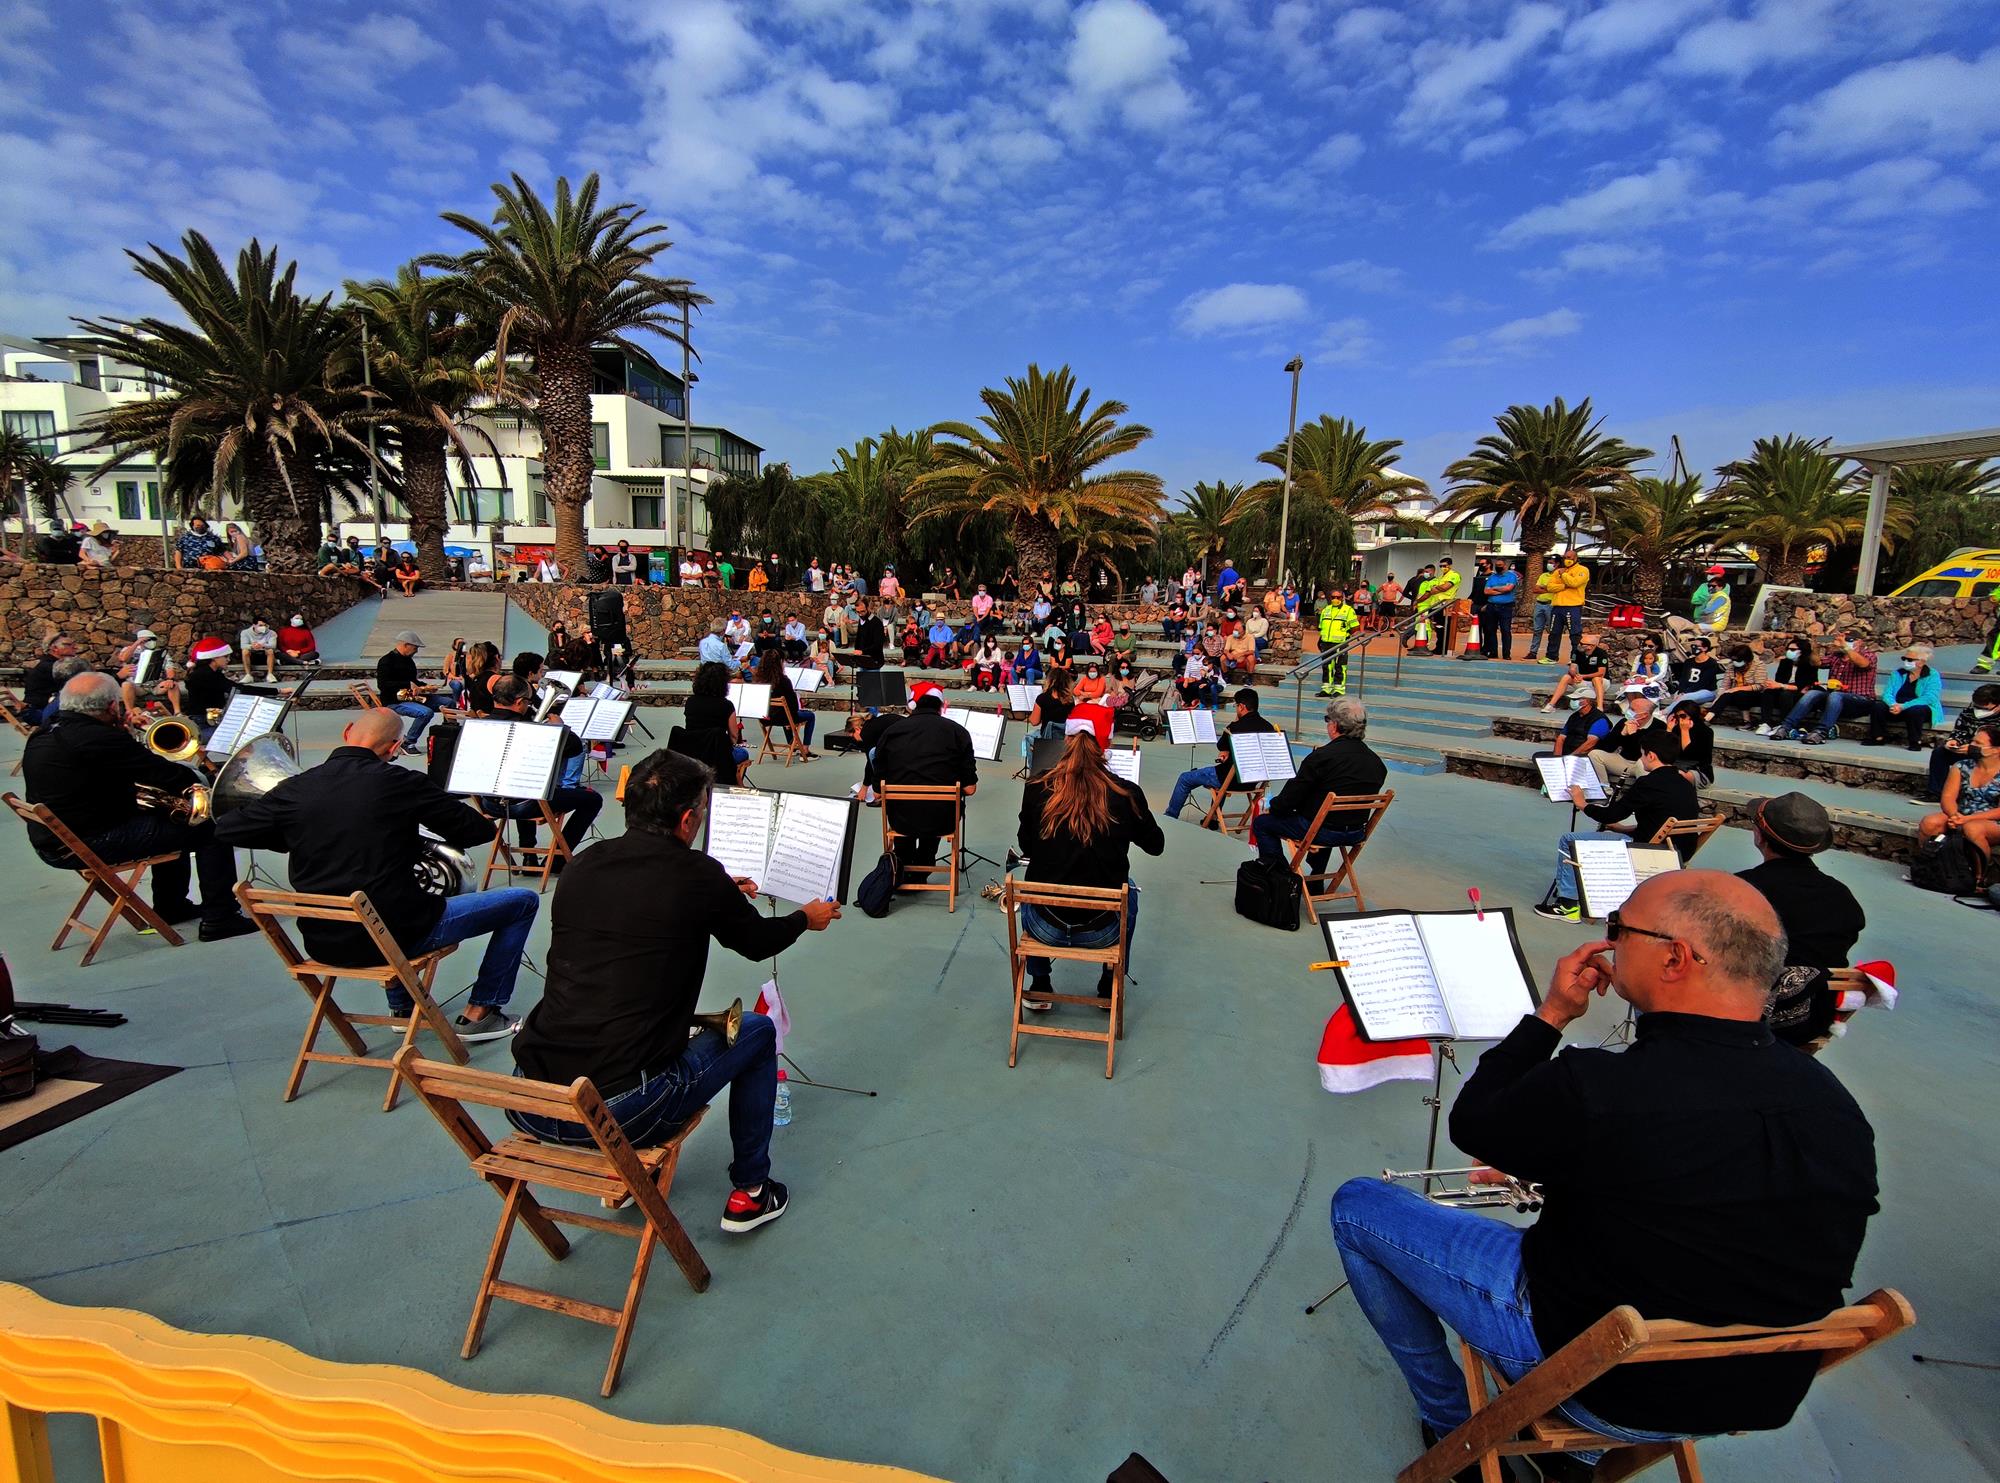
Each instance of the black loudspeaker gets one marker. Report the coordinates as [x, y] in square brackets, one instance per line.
[607, 619]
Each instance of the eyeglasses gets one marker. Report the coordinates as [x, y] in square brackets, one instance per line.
[1613, 927]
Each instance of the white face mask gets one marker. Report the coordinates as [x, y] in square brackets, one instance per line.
[1791, 653]
[1976, 711]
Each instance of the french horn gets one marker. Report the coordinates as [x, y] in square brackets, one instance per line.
[176, 739]
[729, 1021]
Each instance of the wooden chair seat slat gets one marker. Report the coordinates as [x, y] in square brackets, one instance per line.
[1021, 947]
[117, 885]
[947, 864]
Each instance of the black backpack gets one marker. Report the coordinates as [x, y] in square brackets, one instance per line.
[1269, 893]
[878, 887]
[1946, 864]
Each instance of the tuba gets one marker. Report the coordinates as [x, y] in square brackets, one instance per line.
[175, 738]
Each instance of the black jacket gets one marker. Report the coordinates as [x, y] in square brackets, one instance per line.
[1649, 802]
[38, 686]
[628, 948]
[395, 672]
[1063, 859]
[1707, 1173]
[350, 824]
[924, 747]
[85, 770]
[1821, 918]
[1629, 744]
[1345, 766]
[208, 689]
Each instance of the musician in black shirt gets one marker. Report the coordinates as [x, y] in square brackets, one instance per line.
[1708, 1173]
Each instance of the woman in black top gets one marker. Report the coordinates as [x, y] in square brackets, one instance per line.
[1078, 823]
[482, 666]
[771, 671]
[708, 708]
[1688, 727]
[1052, 708]
[1794, 673]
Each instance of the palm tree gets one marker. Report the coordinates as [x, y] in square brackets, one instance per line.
[1951, 505]
[1656, 521]
[560, 280]
[1542, 466]
[259, 396]
[1098, 540]
[48, 487]
[424, 360]
[1207, 516]
[1339, 475]
[1789, 495]
[1036, 459]
[15, 451]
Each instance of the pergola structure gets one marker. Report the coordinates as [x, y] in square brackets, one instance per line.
[1879, 458]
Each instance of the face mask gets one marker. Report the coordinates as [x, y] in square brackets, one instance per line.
[1791, 653]
[1976, 711]
[1739, 664]
[1903, 667]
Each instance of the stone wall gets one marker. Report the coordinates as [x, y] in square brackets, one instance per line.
[100, 609]
[1889, 622]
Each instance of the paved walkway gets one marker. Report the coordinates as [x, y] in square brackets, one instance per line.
[439, 616]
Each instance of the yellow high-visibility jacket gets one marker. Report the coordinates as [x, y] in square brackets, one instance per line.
[1570, 582]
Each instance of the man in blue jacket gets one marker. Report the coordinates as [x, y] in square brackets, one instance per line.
[1496, 619]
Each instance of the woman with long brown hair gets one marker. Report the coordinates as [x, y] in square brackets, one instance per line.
[482, 668]
[771, 671]
[1078, 823]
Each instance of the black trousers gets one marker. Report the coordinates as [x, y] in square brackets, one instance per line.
[153, 832]
[1913, 721]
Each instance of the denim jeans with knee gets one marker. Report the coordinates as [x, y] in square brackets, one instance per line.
[1187, 782]
[504, 918]
[1038, 924]
[1270, 831]
[1811, 701]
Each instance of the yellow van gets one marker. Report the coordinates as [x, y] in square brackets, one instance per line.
[1971, 571]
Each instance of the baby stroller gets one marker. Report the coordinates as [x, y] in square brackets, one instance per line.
[1131, 718]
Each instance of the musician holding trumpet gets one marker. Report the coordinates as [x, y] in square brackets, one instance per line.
[94, 775]
[396, 682]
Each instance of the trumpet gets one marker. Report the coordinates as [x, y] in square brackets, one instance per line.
[729, 1021]
[192, 805]
[1479, 1186]
[174, 738]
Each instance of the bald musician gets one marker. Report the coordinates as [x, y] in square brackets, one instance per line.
[1708, 1173]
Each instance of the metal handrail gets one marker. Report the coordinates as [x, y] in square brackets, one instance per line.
[1315, 662]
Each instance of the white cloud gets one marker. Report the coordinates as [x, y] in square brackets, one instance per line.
[1629, 203]
[1454, 80]
[1366, 26]
[491, 106]
[358, 58]
[1239, 308]
[1344, 342]
[149, 65]
[1620, 259]
[1363, 276]
[1774, 31]
[1888, 190]
[1625, 26]
[1339, 152]
[1515, 338]
[1122, 57]
[1937, 102]
[1490, 146]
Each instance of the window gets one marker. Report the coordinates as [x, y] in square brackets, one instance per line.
[87, 373]
[487, 506]
[673, 453]
[39, 428]
[128, 500]
[646, 510]
[538, 500]
[600, 444]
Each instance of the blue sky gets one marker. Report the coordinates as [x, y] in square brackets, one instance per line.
[1720, 218]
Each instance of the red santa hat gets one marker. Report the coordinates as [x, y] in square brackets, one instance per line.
[924, 690]
[208, 648]
[1348, 1063]
[1092, 718]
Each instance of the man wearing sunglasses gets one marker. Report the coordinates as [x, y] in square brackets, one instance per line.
[1709, 1173]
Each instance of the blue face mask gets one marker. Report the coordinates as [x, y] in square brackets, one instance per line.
[1791, 653]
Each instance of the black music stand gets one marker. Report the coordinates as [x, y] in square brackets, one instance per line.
[879, 688]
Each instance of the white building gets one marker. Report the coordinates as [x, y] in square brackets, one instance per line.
[649, 488]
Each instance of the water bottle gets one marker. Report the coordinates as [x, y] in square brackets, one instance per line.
[781, 1109]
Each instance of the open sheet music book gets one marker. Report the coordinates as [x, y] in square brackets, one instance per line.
[1609, 869]
[148, 667]
[804, 680]
[1021, 698]
[1432, 975]
[752, 702]
[1261, 756]
[988, 728]
[1189, 727]
[1124, 763]
[596, 720]
[569, 679]
[795, 846]
[605, 690]
[1559, 774]
[506, 759]
[247, 715]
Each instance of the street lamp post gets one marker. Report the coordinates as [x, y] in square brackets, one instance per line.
[1295, 365]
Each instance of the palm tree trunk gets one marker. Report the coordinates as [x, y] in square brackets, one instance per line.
[425, 494]
[1783, 570]
[567, 463]
[282, 510]
[1649, 584]
[1034, 543]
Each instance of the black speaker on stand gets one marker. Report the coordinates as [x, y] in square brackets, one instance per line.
[607, 619]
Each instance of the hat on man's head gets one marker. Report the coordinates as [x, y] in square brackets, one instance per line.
[146, 633]
[1716, 571]
[411, 637]
[924, 690]
[1796, 822]
[208, 648]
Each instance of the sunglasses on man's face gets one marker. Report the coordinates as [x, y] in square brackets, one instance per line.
[1614, 926]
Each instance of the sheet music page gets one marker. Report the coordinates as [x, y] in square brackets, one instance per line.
[576, 714]
[1555, 777]
[229, 729]
[604, 690]
[1649, 860]
[804, 680]
[1022, 698]
[1388, 976]
[1478, 969]
[1261, 756]
[988, 728]
[146, 668]
[1584, 776]
[1604, 874]
[475, 765]
[752, 702]
[1124, 763]
[569, 679]
[739, 831]
[806, 847]
[606, 721]
[267, 713]
[529, 766]
[1190, 727]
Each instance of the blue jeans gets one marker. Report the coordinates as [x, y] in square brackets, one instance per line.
[1566, 863]
[1187, 782]
[1704, 697]
[1811, 701]
[1039, 925]
[419, 713]
[1542, 611]
[1417, 1266]
[663, 1100]
[1269, 832]
[508, 916]
[1558, 619]
[806, 723]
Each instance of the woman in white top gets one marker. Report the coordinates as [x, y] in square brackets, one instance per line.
[547, 570]
[986, 664]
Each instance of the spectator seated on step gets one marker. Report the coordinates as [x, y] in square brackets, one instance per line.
[1849, 682]
[1616, 755]
[1649, 671]
[1697, 677]
[1743, 684]
[1984, 707]
[1589, 668]
[1585, 729]
[1915, 701]
[1971, 800]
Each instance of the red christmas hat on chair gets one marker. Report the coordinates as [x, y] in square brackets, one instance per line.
[1348, 1063]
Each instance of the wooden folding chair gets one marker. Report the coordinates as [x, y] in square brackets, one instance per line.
[1216, 816]
[892, 794]
[794, 745]
[1325, 889]
[117, 884]
[614, 1171]
[10, 711]
[1021, 947]
[1698, 830]
[1523, 1418]
[536, 861]
[365, 696]
[413, 975]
